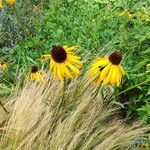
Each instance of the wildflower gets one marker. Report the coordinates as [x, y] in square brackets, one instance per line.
[148, 68]
[131, 15]
[107, 70]
[127, 13]
[63, 62]
[11, 2]
[36, 75]
[123, 13]
[3, 65]
[1, 4]
[145, 17]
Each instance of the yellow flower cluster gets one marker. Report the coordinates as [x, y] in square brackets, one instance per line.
[143, 14]
[10, 2]
[65, 64]
[127, 13]
[3, 65]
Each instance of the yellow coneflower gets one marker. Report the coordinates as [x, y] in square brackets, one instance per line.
[3, 65]
[1, 4]
[36, 75]
[63, 62]
[11, 2]
[107, 70]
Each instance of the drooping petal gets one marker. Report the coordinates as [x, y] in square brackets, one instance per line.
[66, 70]
[73, 68]
[105, 72]
[59, 73]
[70, 48]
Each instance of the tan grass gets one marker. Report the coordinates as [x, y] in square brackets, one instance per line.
[82, 122]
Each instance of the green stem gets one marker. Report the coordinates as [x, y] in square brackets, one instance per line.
[4, 107]
[20, 22]
[133, 87]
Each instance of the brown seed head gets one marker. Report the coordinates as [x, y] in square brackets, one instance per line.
[34, 69]
[58, 54]
[115, 58]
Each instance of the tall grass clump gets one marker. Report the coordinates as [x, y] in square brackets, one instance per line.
[38, 119]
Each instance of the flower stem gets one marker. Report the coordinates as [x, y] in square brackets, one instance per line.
[141, 83]
[2, 105]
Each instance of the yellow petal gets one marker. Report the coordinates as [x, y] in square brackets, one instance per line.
[59, 73]
[54, 70]
[114, 77]
[69, 48]
[121, 69]
[73, 68]
[93, 71]
[46, 57]
[105, 72]
[101, 62]
[52, 63]
[67, 72]
[75, 61]
[108, 78]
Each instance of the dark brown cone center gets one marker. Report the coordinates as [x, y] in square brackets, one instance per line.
[34, 69]
[58, 54]
[115, 58]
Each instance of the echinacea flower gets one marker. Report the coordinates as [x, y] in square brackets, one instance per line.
[107, 70]
[36, 75]
[3, 65]
[11, 2]
[63, 62]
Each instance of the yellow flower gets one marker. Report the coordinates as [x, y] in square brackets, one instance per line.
[36, 75]
[107, 70]
[127, 13]
[11, 2]
[123, 13]
[131, 15]
[1, 4]
[145, 17]
[148, 68]
[63, 62]
[3, 65]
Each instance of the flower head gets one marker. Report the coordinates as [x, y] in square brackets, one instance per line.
[36, 75]
[11, 2]
[3, 65]
[107, 70]
[64, 63]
